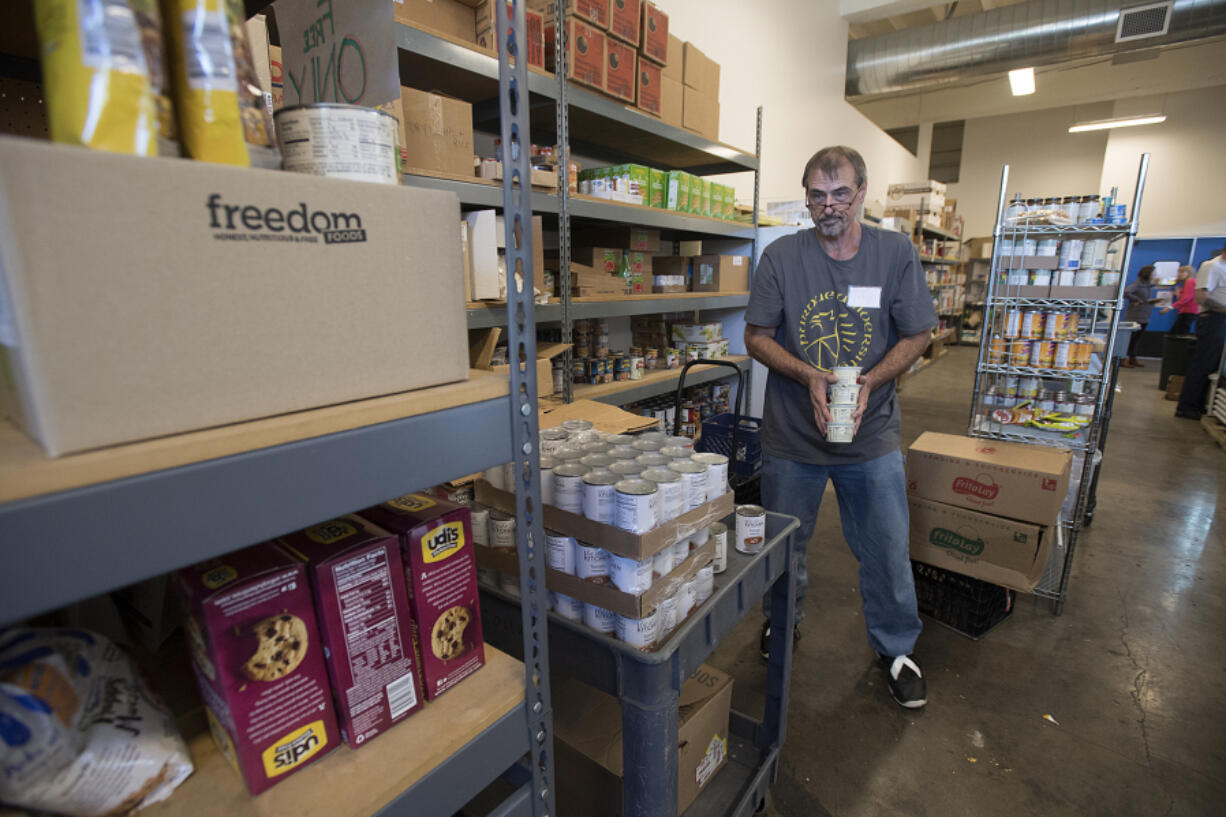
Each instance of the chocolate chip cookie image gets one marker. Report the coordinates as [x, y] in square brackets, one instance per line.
[282, 644]
[447, 640]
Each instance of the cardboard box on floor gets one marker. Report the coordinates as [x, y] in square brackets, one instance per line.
[588, 744]
[108, 345]
[1025, 482]
[992, 548]
[455, 18]
[721, 273]
[436, 132]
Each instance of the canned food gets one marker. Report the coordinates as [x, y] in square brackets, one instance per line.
[626, 469]
[717, 473]
[651, 357]
[704, 587]
[568, 486]
[1064, 277]
[546, 466]
[629, 575]
[671, 500]
[502, 532]
[339, 141]
[1028, 388]
[1032, 323]
[1064, 403]
[591, 563]
[670, 358]
[1041, 354]
[1072, 325]
[1109, 278]
[1083, 353]
[1086, 278]
[653, 459]
[676, 452]
[719, 532]
[1084, 406]
[1019, 352]
[575, 426]
[560, 552]
[693, 482]
[662, 563]
[595, 447]
[623, 452]
[1094, 254]
[686, 599]
[552, 439]
[645, 445]
[1062, 356]
[598, 492]
[840, 432]
[640, 633]
[1053, 327]
[750, 528]
[1048, 247]
[667, 610]
[1028, 246]
[996, 349]
[635, 505]
[1040, 278]
[637, 367]
[567, 607]
[600, 619]
[1070, 253]
[1013, 323]
[480, 518]
[568, 452]
[681, 552]
[596, 461]
[680, 442]
[1011, 384]
[1046, 401]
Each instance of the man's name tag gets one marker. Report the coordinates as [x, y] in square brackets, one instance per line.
[864, 297]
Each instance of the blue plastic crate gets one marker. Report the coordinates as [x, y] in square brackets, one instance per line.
[717, 437]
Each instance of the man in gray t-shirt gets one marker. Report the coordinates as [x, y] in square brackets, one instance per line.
[844, 294]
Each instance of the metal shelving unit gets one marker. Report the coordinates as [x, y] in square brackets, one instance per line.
[658, 381]
[648, 683]
[123, 514]
[1097, 316]
[480, 317]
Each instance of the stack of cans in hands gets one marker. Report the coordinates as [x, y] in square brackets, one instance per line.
[844, 394]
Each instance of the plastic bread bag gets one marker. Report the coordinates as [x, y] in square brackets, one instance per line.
[96, 76]
[80, 732]
[218, 98]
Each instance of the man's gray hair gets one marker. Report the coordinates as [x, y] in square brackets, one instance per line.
[830, 159]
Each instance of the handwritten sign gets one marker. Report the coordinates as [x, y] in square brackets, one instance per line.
[339, 51]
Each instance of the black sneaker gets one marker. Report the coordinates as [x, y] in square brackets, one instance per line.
[906, 681]
[764, 643]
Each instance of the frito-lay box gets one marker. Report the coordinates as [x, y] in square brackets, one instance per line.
[358, 583]
[259, 661]
[441, 568]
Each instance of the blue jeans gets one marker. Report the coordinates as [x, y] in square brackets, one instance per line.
[873, 507]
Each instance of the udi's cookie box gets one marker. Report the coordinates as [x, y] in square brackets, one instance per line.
[358, 582]
[259, 662]
[441, 571]
[1026, 482]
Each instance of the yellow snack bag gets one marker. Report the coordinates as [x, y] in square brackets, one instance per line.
[96, 75]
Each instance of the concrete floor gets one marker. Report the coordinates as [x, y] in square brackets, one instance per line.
[1132, 675]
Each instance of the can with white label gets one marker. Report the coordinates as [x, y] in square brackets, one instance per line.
[693, 482]
[662, 563]
[639, 632]
[1049, 247]
[547, 466]
[502, 532]
[666, 609]
[575, 426]
[680, 441]
[717, 473]
[676, 452]
[481, 525]
[600, 619]
[591, 563]
[644, 445]
[598, 495]
[595, 461]
[653, 459]
[629, 575]
[681, 551]
[339, 141]
[569, 452]
[719, 532]
[623, 452]
[687, 598]
[568, 487]
[750, 528]
[705, 586]
[635, 504]
[658, 436]
[595, 447]
[566, 606]
[552, 439]
[627, 469]
[1071, 250]
[560, 552]
[671, 501]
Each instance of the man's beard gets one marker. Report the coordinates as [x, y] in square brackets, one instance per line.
[832, 226]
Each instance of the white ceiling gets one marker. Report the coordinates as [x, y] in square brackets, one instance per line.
[868, 18]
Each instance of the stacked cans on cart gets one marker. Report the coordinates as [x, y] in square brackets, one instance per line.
[1080, 263]
[635, 483]
[843, 397]
[1041, 338]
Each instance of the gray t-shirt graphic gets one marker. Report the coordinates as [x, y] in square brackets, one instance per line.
[837, 313]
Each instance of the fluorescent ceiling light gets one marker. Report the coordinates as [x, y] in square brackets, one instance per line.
[1021, 80]
[1121, 122]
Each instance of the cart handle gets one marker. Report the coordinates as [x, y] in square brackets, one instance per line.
[740, 395]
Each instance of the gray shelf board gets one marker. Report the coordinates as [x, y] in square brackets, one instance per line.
[1034, 437]
[1099, 230]
[937, 231]
[485, 317]
[694, 378]
[660, 219]
[478, 194]
[459, 778]
[115, 533]
[1035, 371]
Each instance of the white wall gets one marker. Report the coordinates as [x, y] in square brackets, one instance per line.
[1185, 194]
[790, 58]
[1044, 160]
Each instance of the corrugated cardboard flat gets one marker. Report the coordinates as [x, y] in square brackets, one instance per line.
[991, 548]
[150, 296]
[603, 417]
[1026, 482]
[453, 18]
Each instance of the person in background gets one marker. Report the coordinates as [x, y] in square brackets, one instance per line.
[844, 294]
[1210, 338]
[1208, 262]
[1140, 297]
[1185, 301]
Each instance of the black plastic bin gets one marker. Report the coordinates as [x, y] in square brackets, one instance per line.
[966, 605]
[1177, 353]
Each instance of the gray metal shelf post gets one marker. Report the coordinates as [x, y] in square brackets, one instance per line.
[562, 113]
[521, 345]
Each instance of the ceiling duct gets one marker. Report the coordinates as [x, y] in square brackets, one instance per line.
[1041, 32]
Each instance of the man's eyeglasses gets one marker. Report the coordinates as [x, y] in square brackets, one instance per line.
[840, 197]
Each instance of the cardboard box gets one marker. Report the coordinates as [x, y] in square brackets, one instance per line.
[672, 266]
[537, 177]
[689, 248]
[585, 62]
[674, 68]
[615, 540]
[362, 608]
[436, 543]
[107, 345]
[621, 71]
[992, 548]
[276, 76]
[667, 283]
[595, 12]
[700, 113]
[255, 649]
[721, 273]
[1174, 385]
[602, 259]
[450, 17]
[436, 132]
[486, 236]
[649, 89]
[588, 744]
[672, 102]
[700, 72]
[534, 28]
[655, 33]
[637, 239]
[626, 21]
[638, 265]
[545, 353]
[1026, 482]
